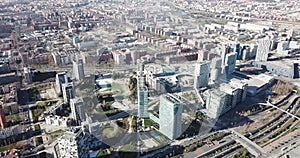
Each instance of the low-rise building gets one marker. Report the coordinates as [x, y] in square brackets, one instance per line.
[56, 120]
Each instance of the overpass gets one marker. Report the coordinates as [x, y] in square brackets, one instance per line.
[251, 146]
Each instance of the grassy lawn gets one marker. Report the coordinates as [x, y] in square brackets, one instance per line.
[111, 112]
[244, 153]
[128, 147]
[55, 134]
[37, 127]
[38, 141]
[13, 117]
[185, 95]
[36, 113]
[7, 147]
[40, 109]
[149, 122]
[118, 87]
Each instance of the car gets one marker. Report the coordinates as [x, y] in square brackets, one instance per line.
[284, 148]
[293, 143]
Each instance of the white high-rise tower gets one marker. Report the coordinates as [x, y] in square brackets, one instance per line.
[263, 49]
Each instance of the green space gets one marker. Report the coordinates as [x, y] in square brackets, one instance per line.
[243, 153]
[118, 87]
[38, 141]
[106, 106]
[13, 117]
[200, 116]
[298, 90]
[128, 147]
[149, 122]
[7, 147]
[37, 127]
[111, 112]
[255, 108]
[218, 136]
[282, 88]
[37, 112]
[108, 132]
[55, 134]
[132, 85]
[40, 108]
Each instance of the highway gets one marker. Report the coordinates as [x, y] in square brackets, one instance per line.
[269, 104]
[263, 131]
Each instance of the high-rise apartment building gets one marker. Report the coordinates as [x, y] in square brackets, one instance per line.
[170, 114]
[263, 49]
[143, 102]
[78, 69]
[142, 91]
[72, 144]
[241, 89]
[68, 91]
[77, 109]
[216, 103]
[27, 74]
[201, 74]
[230, 62]
[224, 98]
[61, 78]
[231, 94]
[215, 69]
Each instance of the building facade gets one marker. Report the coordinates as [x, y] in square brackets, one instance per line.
[78, 69]
[227, 96]
[201, 74]
[215, 69]
[263, 49]
[170, 114]
[142, 91]
[216, 103]
[77, 109]
[61, 78]
[68, 91]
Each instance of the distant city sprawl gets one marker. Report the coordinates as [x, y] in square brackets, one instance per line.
[149, 78]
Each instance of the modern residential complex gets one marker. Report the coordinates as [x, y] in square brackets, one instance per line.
[61, 78]
[72, 144]
[227, 96]
[202, 72]
[78, 69]
[68, 91]
[77, 109]
[263, 49]
[164, 78]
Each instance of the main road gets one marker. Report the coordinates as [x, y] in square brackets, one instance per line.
[251, 146]
[288, 113]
